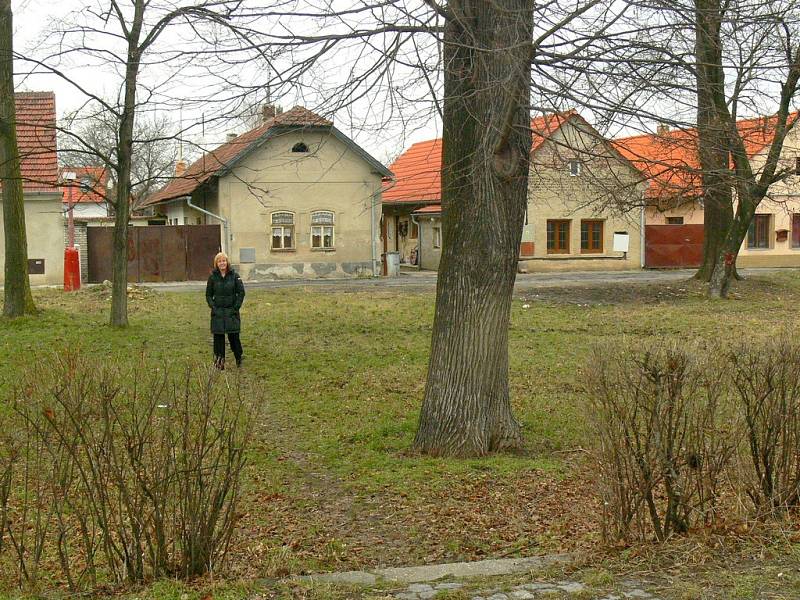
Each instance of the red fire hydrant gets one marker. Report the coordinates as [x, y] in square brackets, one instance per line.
[72, 270]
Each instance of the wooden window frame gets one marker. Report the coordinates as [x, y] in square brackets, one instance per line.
[557, 226]
[753, 232]
[675, 218]
[578, 167]
[590, 237]
[324, 225]
[437, 236]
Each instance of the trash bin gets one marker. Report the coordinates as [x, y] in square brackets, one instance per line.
[392, 264]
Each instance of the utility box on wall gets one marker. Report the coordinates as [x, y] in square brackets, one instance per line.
[621, 241]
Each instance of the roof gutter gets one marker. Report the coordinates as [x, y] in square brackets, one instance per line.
[223, 220]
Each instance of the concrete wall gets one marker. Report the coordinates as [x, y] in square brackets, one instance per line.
[430, 255]
[605, 189]
[692, 214]
[44, 224]
[330, 177]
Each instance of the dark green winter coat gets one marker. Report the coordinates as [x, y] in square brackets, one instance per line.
[224, 296]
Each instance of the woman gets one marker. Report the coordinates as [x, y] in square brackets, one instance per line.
[224, 296]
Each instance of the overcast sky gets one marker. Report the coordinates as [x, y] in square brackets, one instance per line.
[33, 19]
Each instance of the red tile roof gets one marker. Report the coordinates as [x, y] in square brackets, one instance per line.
[36, 139]
[211, 163]
[670, 161]
[418, 170]
[87, 185]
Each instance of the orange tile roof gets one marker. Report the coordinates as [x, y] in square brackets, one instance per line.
[418, 170]
[221, 158]
[75, 191]
[36, 139]
[670, 161]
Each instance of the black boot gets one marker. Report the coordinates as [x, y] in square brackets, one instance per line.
[239, 361]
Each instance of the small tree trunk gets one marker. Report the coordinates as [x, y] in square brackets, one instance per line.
[17, 297]
[119, 267]
[486, 157]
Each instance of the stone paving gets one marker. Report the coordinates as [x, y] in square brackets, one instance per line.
[424, 582]
[525, 591]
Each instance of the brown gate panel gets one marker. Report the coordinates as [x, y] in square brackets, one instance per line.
[203, 242]
[173, 252]
[672, 246]
[133, 254]
[156, 252]
[150, 255]
[98, 253]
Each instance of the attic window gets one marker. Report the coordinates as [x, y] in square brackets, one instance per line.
[299, 147]
[574, 168]
[86, 183]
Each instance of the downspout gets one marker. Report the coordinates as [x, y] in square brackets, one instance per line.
[642, 225]
[419, 241]
[224, 221]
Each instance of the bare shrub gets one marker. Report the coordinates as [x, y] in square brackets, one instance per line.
[661, 448]
[766, 381]
[132, 473]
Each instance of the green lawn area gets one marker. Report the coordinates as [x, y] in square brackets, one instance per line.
[332, 484]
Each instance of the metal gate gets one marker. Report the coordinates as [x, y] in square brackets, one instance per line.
[673, 246]
[156, 252]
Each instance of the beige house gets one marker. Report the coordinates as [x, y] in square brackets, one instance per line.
[584, 204]
[294, 197]
[669, 159]
[44, 218]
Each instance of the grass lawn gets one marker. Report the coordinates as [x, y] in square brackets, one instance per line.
[332, 485]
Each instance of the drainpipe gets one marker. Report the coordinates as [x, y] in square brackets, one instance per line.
[642, 225]
[224, 221]
[419, 241]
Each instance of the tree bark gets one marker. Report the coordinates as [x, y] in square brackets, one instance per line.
[17, 297]
[486, 155]
[712, 139]
[119, 267]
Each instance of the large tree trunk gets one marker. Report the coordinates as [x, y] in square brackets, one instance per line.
[17, 292]
[486, 155]
[725, 261]
[119, 260]
[713, 143]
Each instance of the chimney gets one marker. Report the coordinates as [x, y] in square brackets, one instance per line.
[662, 129]
[180, 168]
[230, 137]
[268, 111]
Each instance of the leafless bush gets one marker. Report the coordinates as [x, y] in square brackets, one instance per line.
[661, 449]
[131, 473]
[766, 380]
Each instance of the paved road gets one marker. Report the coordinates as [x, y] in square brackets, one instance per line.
[426, 280]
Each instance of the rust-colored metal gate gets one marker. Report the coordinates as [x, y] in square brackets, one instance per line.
[673, 246]
[156, 252]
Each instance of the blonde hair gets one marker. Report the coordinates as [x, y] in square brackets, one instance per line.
[221, 255]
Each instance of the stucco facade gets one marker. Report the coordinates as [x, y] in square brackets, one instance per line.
[581, 195]
[304, 202]
[44, 225]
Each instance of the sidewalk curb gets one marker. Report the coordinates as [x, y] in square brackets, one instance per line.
[426, 573]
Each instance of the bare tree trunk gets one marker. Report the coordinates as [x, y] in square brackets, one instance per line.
[712, 135]
[17, 298]
[119, 267]
[485, 163]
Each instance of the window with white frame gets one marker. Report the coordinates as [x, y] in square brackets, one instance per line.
[282, 231]
[574, 168]
[437, 237]
[322, 224]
